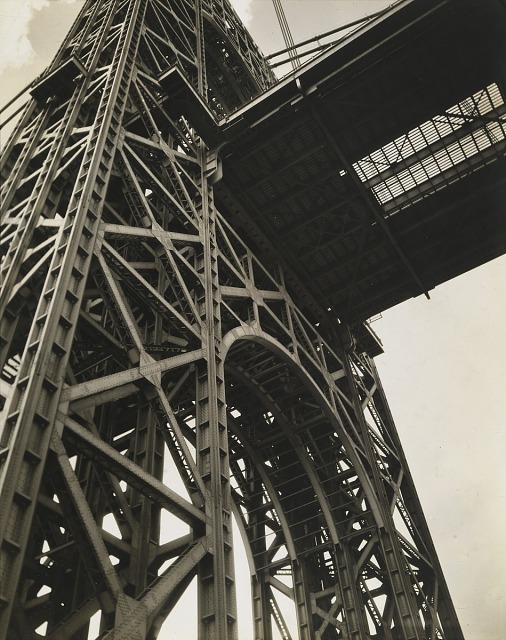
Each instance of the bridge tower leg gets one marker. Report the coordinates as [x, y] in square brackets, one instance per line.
[158, 381]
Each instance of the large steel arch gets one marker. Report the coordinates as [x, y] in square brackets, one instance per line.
[314, 524]
[290, 514]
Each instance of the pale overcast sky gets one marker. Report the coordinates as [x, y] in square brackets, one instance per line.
[444, 362]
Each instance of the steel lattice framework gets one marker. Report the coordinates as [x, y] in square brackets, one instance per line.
[159, 380]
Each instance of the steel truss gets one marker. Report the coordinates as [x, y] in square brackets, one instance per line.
[142, 340]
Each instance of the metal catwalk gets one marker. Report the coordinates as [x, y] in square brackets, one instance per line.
[160, 376]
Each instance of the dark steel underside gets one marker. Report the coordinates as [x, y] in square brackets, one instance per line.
[291, 164]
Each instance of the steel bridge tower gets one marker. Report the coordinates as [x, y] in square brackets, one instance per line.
[160, 376]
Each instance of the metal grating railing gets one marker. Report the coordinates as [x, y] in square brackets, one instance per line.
[438, 152]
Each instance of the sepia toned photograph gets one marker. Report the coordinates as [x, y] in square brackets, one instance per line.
[253, 311]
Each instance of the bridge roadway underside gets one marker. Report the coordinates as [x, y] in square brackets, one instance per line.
[377, 171]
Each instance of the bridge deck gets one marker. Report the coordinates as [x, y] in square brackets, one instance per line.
[377, 171]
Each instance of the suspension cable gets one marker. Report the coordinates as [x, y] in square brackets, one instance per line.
[291, 48]
[287, 35]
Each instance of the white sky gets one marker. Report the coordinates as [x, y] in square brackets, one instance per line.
[443, 369]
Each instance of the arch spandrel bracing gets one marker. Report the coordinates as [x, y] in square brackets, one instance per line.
[164, 370]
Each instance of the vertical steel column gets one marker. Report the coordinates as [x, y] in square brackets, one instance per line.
[36, 202]
[217, 614]
[148, 454]
[32, 410]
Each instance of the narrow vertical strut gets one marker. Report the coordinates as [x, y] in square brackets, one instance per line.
[217, 611]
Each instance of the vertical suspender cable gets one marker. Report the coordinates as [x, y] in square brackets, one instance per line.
[287, 36]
